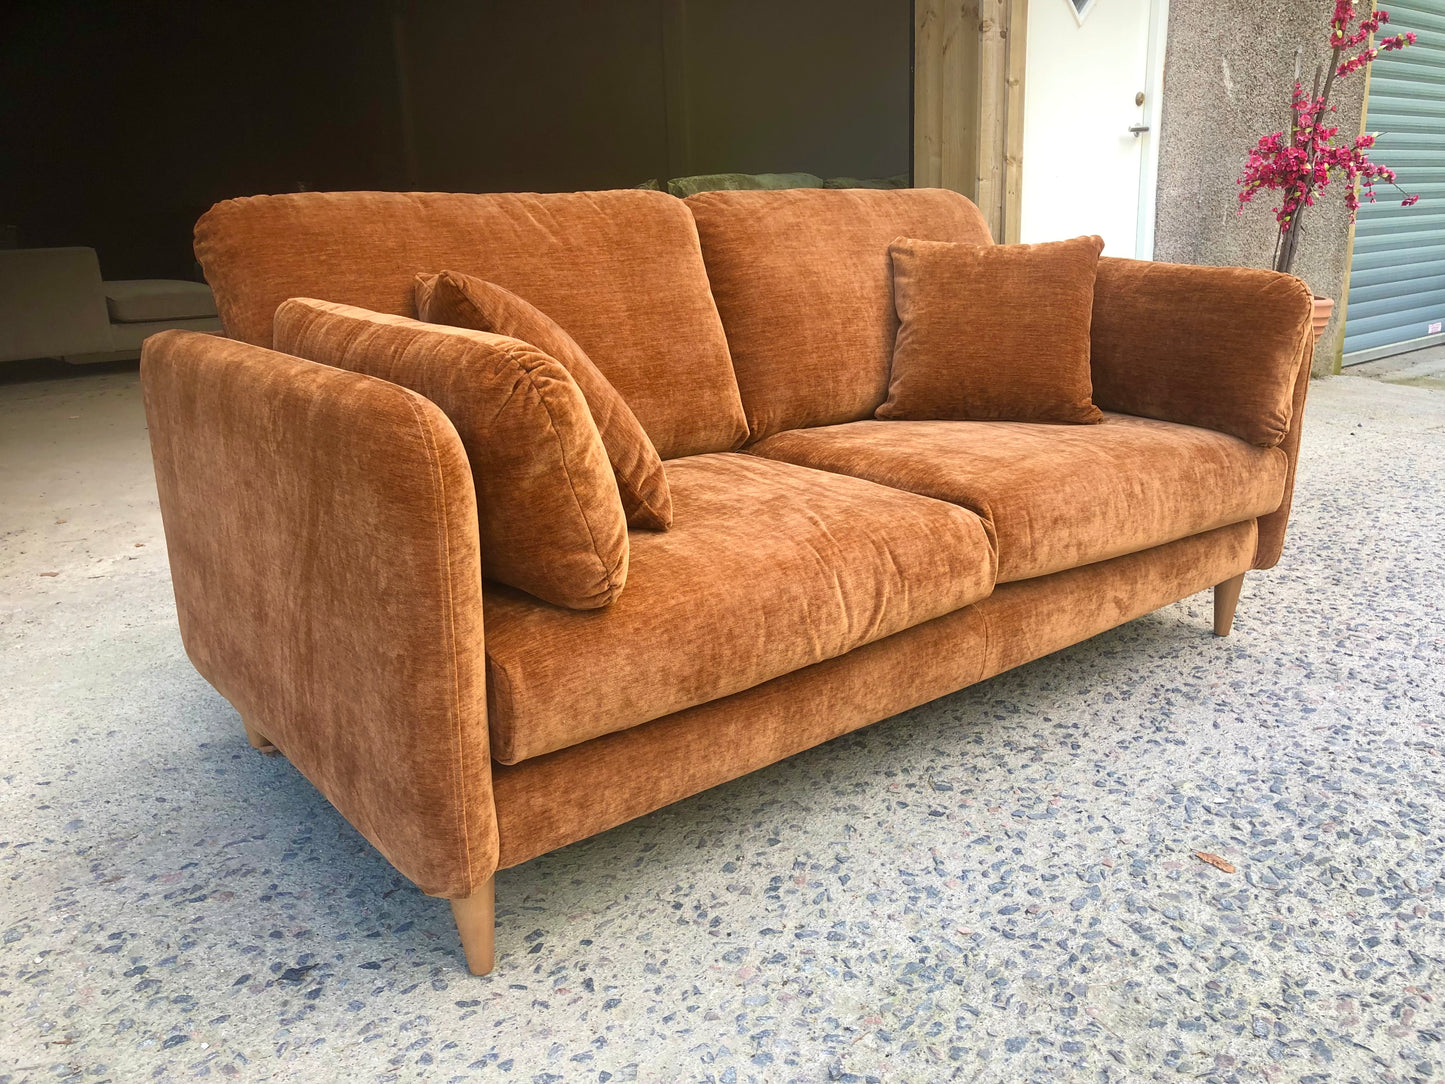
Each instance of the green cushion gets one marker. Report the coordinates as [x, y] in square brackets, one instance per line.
[732, 182]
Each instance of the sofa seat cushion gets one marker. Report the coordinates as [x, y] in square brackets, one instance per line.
[144, 301]
[768, 567]
[1057, 496]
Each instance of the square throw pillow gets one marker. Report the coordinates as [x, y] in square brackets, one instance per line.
[550, 516]
[992, 332]
[466, 301]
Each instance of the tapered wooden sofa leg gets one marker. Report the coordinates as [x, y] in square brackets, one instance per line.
[477, 923]
[258, 740]
[1226, 597]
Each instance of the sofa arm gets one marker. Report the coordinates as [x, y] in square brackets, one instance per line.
[322, 531]
[1223, 348]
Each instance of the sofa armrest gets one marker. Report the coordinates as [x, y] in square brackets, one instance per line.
[322, 531]
[1223, 348]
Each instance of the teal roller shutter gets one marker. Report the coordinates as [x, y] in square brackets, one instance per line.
[1397, 274]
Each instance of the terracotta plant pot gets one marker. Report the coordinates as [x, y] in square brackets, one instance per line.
[1323, 307]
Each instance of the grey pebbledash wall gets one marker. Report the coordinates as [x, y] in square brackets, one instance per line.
[1228, 72]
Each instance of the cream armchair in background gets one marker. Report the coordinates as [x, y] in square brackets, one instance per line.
[54, 304]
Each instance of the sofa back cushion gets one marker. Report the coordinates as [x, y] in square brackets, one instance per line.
[804, 286]
[621, 271]
[550, 518]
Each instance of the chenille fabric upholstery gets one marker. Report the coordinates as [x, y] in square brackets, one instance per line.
[470, 302]
[621, 271]
[768, 567]
[1217, 347]
[322, 534]
[541, 807]
[1029, 619]
[992, 332]
[329, 529]
[804, 285]
[1272, 527]
[550, 516]
[1057, 496]
[1227, 348]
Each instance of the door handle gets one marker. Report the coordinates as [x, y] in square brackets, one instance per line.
[1138, 129]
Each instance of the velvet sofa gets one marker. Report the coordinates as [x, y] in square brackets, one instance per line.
[824, 570]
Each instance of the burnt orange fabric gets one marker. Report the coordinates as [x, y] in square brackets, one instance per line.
[322, 534]
[551, 519]
[1272, 527]
[803, 282]
[992, 332]
[1057, 496]
[1031, 618]
[553, 800]
[1218, 347]
[621, 271]
[466, 301]
[769, 567]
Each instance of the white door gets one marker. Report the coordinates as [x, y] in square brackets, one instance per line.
[1092, 82]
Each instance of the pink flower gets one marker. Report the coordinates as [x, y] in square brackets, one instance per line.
[1302, 164]
[1399, 41]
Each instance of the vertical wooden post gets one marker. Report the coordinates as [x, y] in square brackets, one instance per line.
[927, 93]
[1013, 149]
[945, 94]
[992, 111]
[968, 103]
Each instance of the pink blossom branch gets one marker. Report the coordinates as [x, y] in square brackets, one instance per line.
[1303, 164]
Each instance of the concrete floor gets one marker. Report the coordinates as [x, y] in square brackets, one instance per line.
[997, 886]
[1419, 368]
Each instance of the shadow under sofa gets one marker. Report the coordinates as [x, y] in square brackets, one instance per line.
[824, 570]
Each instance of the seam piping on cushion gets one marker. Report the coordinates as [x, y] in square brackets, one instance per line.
[498, 678]
[612, 591]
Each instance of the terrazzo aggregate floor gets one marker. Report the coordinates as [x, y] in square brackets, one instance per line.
[999, 886]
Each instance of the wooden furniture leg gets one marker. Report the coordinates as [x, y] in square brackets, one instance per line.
[477, 923]
[259, 740]
[1226, 597]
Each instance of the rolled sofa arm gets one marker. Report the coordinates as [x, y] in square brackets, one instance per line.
[322, 530]
[1223, 348]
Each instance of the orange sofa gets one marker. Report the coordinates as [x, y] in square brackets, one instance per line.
[824, 570]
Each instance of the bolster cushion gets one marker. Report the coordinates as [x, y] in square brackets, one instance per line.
[550, 517]
[467, 301]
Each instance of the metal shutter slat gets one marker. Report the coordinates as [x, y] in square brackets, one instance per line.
[1397, 272]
